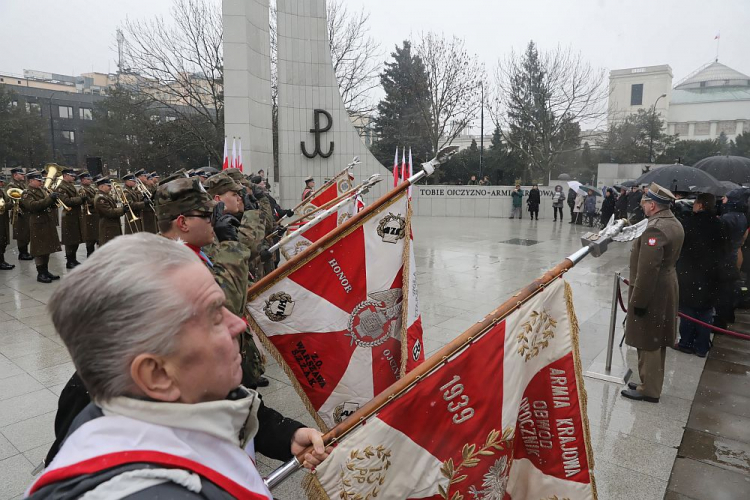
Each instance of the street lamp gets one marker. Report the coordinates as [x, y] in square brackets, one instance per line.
[651, 132]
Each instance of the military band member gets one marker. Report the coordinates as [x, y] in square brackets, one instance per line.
[135, 200]
[89, 217]
[4, 225]
[148, 217]
[21, 232]
[109, 212]
[70, 228]
[42, 210]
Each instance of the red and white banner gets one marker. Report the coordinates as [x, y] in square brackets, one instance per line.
[335, 320]
[233, 162]
[239, 158]
[300, 241]
[503, 418]
[342, 183]
[395, 168]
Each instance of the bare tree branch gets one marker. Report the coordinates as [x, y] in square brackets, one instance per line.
[454, 87]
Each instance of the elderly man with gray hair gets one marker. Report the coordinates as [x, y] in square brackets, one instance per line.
[158, 351]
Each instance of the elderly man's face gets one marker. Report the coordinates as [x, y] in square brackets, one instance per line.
[207, 363]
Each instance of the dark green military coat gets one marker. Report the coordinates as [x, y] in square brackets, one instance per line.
[42, 215]
[149, 216]
[89, 223]
[653, 283]
[21, 231]
[5, 221]
[109, 217]
[70, 228]
[135, 200]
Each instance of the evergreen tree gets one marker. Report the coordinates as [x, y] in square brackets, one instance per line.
[741, 145]
[636, 139]
[399, 122]
[689, 152]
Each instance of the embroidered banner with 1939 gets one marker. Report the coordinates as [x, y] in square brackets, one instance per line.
[502, 418]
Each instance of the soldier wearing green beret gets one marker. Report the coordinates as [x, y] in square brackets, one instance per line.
[186, 212]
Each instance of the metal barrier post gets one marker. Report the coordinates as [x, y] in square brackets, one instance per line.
[603, 371]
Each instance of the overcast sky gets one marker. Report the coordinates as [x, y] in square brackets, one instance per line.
[76, 36]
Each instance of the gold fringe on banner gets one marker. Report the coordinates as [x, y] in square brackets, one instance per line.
[313, 489]
[582, 394]
[405, 261]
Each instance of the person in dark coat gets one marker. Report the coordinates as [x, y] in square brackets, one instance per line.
[608, 206]
[653, 295]
[533, 201]
[734, 222]
[634, 203]
[4, 225]
[589, 207]
[42, 209]
[621, 205]
[698, 273]
[109, 211]
[571, 203]
[70, 230]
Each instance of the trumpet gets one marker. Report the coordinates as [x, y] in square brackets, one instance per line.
[120, 194]
[141, 187]
[52, 180]
[82, 192]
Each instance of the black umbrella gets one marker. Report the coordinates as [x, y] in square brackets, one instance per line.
[683, 179]
[727, 168]
[628, 184]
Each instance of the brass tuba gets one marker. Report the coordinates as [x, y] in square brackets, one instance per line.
[52, 179]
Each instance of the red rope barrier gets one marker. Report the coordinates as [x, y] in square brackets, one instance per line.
[684, 316]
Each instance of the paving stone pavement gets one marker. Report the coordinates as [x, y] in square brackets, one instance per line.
[466, 267]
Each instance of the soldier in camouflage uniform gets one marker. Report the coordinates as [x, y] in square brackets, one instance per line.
[89, 216]
[21, 230]
[185, 211]
[70, 230]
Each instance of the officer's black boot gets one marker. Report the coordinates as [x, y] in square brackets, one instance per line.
[4, 266]
[41, 275]
[90, 246]
[49, 274]
[70, 261]
[23, 253]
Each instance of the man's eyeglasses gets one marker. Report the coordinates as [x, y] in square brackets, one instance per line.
[201, 215]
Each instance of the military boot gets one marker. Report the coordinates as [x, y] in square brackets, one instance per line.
[90, 247]
[41, 275]
[4, 266]
[49, 274]
[23, 253]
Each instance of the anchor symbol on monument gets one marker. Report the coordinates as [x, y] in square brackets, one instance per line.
[316, 131]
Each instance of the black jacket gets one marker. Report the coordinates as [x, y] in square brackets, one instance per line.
[534, 199]
[571, 198]
[634, 201]
[699, 264]
[608, 207]
[622, 203]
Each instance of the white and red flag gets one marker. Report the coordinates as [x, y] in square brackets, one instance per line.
[497, 414]
[411, 167]
[233, 161]
[300, 241]
[334, 188]
[342, 317]
[239, 157]
[225, 163]
[404, 166]
[395, 168]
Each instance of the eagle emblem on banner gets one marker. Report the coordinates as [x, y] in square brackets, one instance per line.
[375, 320]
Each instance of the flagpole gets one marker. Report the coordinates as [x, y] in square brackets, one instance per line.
[595, 246]
[326, 205]
[355, 161]
[374, 179]
[427, 169]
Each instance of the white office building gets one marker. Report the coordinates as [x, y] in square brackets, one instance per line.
[711, 100]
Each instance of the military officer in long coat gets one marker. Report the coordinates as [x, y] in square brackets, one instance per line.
[4, 225]
[148, 216]
[70, 228]
[21, 232]
[654, 294]
[89, 216]
[135, 200]
[109, 212]
[41, 207]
